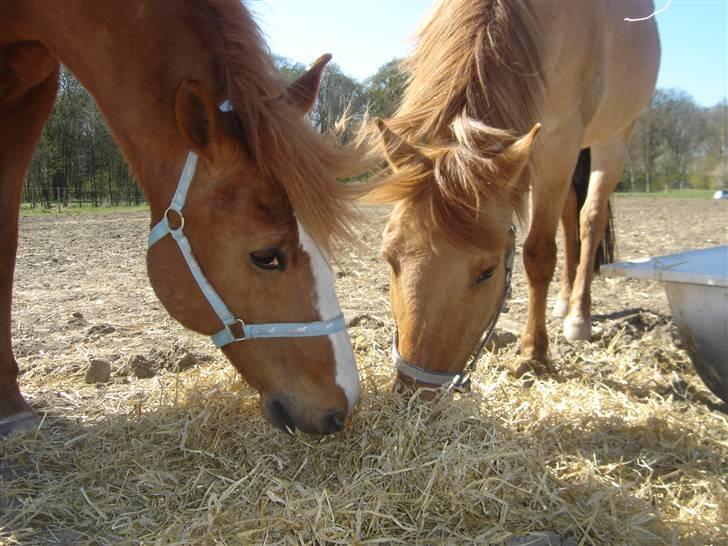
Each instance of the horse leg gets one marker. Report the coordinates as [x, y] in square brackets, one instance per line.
[30, 80]
[607, 165]
[569, 225]
[548, 195]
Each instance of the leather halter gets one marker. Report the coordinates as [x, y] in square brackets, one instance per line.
[234, 328]
[459, 380]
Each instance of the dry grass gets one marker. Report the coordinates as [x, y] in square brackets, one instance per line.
[191, 461]
[625, 447]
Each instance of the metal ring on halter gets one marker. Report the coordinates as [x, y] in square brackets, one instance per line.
[181, 219]
[238, 322]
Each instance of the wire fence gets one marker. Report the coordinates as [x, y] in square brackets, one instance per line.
[48, 198]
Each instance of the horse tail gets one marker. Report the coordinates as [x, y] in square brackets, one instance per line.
[580, 181]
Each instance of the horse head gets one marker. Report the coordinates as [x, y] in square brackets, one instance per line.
[231, 256]
[449, 244]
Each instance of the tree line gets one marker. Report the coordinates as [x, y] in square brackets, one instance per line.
[76, 161]
[676, 143]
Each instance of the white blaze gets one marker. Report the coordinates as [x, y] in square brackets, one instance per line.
[347, 376]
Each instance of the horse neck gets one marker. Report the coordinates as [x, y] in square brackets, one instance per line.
[131, 58]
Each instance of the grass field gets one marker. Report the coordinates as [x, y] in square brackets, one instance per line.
[27, 210]
[681, 194]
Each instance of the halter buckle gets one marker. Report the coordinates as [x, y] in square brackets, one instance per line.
[237, 329]
[179, 221]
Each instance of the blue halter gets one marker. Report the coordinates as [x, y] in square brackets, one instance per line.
[234, 329]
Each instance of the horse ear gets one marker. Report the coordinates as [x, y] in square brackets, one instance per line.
[511, 161]
[302, 93]
[399, 152]
[196, 115]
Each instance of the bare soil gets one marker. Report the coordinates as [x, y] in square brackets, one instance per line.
[81, 291]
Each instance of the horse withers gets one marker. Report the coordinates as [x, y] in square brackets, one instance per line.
[502, 97]
[243, 193]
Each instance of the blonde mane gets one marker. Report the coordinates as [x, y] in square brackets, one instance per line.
[476, 60]
[284, 146]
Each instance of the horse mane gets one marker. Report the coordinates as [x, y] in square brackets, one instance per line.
[285, 148]
[480, 60]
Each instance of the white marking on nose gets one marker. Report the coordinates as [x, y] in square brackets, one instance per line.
[347, 376]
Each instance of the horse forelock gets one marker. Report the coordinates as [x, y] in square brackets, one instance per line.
[286, 149]
[470, 202]
[460, 194]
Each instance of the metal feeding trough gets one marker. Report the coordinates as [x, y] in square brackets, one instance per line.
[696, 284]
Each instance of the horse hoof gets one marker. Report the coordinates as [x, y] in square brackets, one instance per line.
[577, 329]
[535, 367]
[561, 307]
[18, 423]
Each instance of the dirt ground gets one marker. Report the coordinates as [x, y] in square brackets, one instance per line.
[81, 294]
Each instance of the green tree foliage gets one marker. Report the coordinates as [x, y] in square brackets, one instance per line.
[339, 95]
[290, 70]
[76, 159]
[676, 144]
[384, 89]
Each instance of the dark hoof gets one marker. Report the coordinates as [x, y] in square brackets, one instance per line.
[17, 423]
[535, 367]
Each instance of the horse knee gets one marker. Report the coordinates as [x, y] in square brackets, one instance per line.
[539, 260]
[591, 217]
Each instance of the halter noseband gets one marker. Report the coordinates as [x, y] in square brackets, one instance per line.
[461, 380]
[235, 329]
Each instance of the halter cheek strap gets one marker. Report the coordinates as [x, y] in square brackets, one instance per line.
[460, 381]
[234, 328]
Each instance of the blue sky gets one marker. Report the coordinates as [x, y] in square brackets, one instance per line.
[364, 34]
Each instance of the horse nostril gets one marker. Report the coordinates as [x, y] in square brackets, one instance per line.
[333, 422]
[280, 417]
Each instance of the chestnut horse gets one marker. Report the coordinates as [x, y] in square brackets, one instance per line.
[243, 193]
[483, 79]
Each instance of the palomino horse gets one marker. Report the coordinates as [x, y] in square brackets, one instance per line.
[481, 73]
[243, 193]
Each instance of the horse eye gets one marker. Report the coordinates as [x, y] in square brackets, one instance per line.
[269, 259]
[485, 275]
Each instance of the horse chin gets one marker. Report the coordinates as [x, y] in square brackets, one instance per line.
[277, 414]
[407, 386]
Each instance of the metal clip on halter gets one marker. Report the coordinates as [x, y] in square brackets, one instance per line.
[234, 328]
